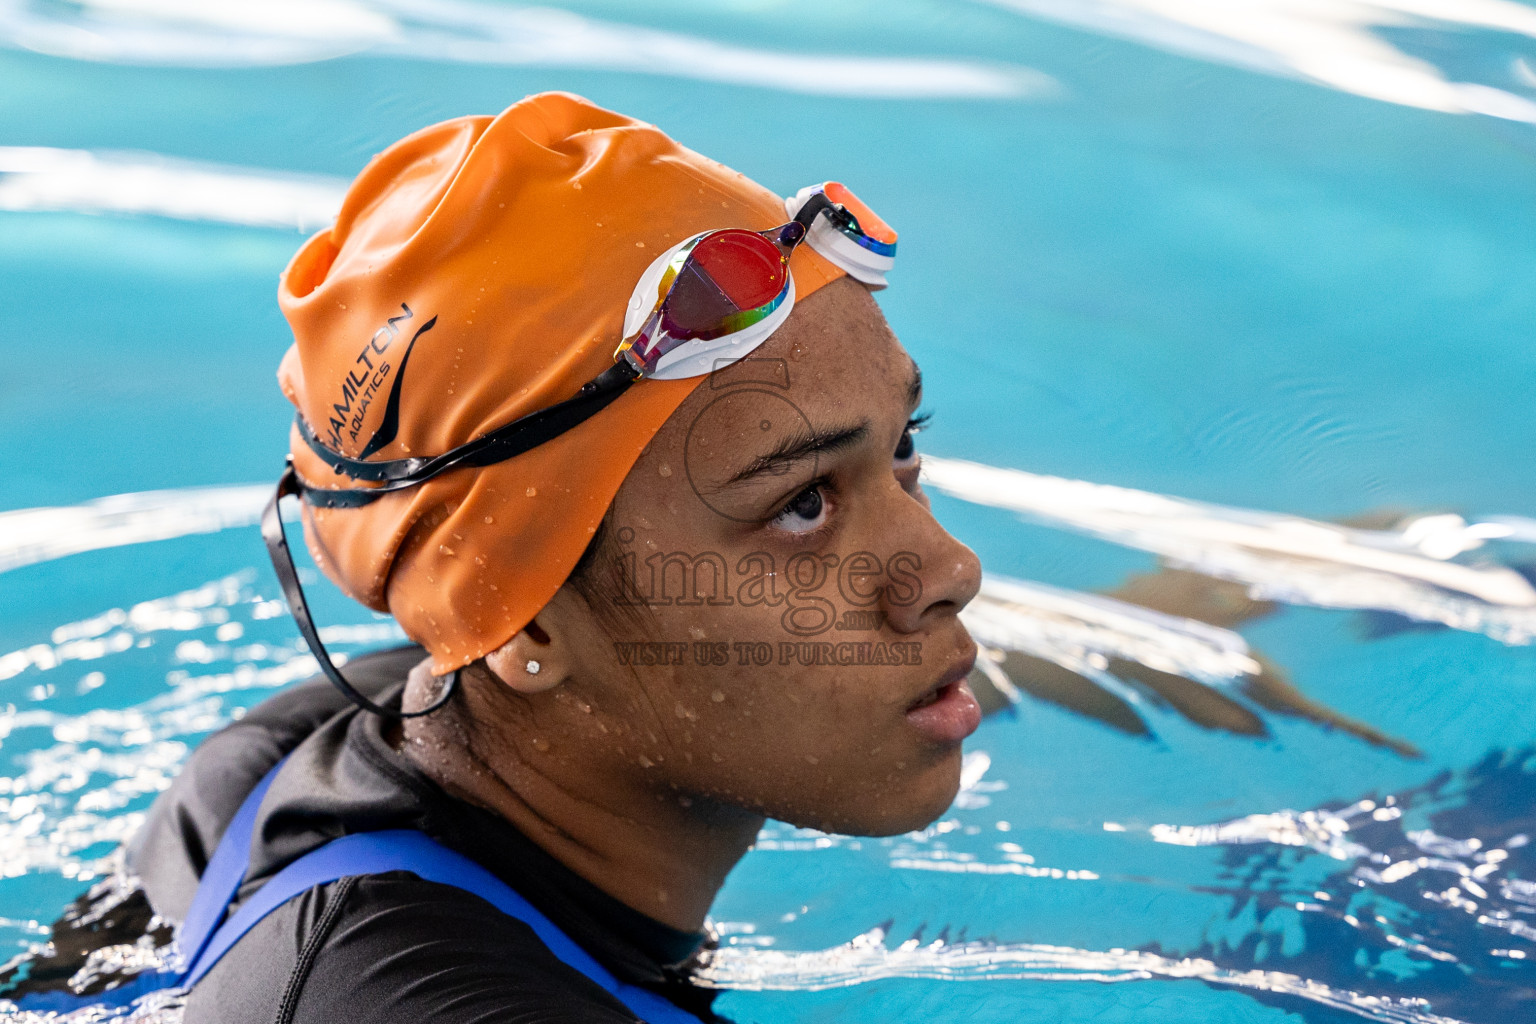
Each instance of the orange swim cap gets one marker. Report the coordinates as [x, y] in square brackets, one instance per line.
[499, 254]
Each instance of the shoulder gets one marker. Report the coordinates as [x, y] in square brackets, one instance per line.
[393, 948]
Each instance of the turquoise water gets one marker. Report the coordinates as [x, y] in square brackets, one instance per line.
[1140, 248]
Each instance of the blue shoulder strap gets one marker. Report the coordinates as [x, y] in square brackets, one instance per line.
[371, 853]
[222, 877]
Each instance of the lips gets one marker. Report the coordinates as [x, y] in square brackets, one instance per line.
[947, 712]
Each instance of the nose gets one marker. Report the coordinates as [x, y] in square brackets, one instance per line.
[929, 577]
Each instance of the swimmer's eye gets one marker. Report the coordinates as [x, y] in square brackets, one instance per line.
[906, 448]
[806, 512]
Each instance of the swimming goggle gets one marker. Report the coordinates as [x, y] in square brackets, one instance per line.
[701, 305]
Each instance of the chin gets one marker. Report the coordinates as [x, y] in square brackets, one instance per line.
[914, 805]
[909, 819]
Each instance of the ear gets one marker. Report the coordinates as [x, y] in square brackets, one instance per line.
[531, 662]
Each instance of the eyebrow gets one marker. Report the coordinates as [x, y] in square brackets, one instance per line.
[799, 447]
[802, 446]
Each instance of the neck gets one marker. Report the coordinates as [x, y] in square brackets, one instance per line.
[551, 769]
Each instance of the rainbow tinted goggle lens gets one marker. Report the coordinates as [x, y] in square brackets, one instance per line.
[712, 298]
[701, 305]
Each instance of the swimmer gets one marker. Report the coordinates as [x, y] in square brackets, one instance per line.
[619, 437]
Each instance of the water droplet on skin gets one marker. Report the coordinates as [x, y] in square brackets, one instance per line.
[684, 802]
[665, 470]
[576, 185]
[645, 762]
[716, 758]
[718, 697]
[406, 448]
[489, 520]
[540, 744]
[479, 560]
[532, 492]
[811, 759]
[681, 712]
[444, 549]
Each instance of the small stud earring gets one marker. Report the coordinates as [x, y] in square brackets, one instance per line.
[533, 667]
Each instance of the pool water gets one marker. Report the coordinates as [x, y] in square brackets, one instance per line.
[1190, 284]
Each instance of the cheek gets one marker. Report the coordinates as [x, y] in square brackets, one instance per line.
[732, 702]
[820, 745]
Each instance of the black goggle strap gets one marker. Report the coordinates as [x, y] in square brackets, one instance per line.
[288, 577]
[503, 443]
[837, 213]
[818, 203]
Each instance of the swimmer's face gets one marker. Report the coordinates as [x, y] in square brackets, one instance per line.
[800, 601]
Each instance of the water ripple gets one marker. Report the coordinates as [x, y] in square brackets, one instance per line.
[1279, 557]
[868, 957]
[222, 33]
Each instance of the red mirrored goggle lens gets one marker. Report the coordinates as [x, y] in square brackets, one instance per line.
[728, 273]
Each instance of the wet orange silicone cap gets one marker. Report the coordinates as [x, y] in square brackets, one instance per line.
[500, 254]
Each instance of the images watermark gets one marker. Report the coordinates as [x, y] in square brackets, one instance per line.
[761, 653]
[801, 585]
[831, 606]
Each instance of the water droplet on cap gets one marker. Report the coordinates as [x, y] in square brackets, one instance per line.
[532, 492]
